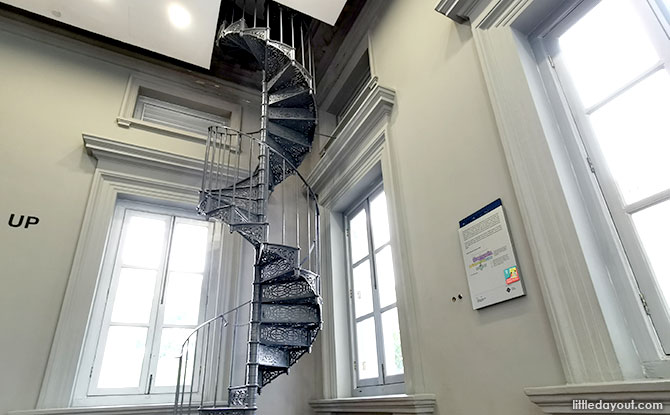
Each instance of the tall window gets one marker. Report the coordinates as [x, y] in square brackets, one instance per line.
[612, 61]
[377, 352]
[151, 296]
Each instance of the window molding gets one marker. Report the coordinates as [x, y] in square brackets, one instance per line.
[558, 399]
[134, 172]
[359, 147]
[393, 404]
[548, 197]
[138, 82]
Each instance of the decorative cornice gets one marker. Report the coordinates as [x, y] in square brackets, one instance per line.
[483, 14]
[392, 404]
[457, 10]
[559, 399]
[105, 148]
[355, 140]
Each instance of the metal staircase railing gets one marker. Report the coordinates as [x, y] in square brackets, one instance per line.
[204, 355]
[210, 361]
[253, 185]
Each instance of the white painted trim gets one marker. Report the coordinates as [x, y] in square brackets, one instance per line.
[457, 10]
[558, 399]
[159, 409]
[105, 148]
[392, 404]
[535, 156]
[358, 146]
[122, 170]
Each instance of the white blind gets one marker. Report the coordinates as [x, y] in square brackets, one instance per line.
[176, 116]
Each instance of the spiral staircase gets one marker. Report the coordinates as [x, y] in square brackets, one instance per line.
[249, 183]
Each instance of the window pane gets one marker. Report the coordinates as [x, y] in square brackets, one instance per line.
[123, 357]
[368, 365]
[380, 220]
[144, 242]
[168, 357]
[385, 277]
[632, 131]
[392, 348]
[603, 60]
[362, 289]
[182, 298]
[652, 226]
[189, 247]
[134, 296]
[359, 236]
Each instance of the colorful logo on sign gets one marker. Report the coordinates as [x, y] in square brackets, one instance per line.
[511, 275]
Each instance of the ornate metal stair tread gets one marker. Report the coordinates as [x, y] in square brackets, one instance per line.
[287, 94]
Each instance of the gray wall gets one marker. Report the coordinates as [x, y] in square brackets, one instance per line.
[49, 97]
[450, 163]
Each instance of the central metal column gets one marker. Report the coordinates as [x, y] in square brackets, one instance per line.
[254, 382]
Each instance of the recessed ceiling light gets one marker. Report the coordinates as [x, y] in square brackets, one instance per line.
[179, 16]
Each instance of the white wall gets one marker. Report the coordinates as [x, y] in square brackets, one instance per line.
[450, 163]
[49, 97]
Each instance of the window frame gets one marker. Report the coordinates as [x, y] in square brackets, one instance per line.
[171, 91]
[382, 385]
[637, 349]
[180, 111]
[84, 393]
[654, 306]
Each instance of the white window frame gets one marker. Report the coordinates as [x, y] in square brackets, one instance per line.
[627, 243]
[179, 114]
[136, 173]
[382, 385]
[578, 273]
[178, 94]
[85, 393]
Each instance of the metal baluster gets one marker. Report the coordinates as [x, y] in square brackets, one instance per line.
[234, 347]
[183, 388]
[316, 237]
[204, 173]
[204, 370]
[195, 359]
[227, 147]
[237, 169]
[176, 393]
[255, 12]
[283, 202]
[293, 34]
[218, 361]
[297, 213]
[318, 242]
[244, 13]
[267, 20]
[309, 234]
[234, 5]
[302, 44]
[251, 155]
[309, 53]
[281, 24]
[219, 168]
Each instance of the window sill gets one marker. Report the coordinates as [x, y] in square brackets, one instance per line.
[392, 404]
[558, 399]
[157, 409]
[161, 129]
